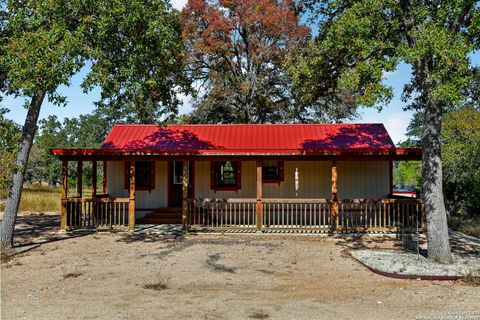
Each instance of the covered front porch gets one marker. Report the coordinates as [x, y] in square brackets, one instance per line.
[228, 211]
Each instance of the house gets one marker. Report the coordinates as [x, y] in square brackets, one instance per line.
[313, 177]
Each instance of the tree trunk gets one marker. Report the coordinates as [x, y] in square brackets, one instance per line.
[13, 201]
[437, 228]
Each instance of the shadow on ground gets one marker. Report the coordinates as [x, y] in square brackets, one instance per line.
[33, 229]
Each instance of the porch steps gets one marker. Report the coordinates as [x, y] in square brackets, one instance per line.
[162, 216]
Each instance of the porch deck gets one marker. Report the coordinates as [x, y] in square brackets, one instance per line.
[281, 215]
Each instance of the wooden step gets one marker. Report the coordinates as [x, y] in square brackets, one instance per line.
[159, 221]
[162, 216]
[167, 210]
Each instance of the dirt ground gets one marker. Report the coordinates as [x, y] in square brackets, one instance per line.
[118, 276]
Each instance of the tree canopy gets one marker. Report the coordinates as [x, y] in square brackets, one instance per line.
[235, 52]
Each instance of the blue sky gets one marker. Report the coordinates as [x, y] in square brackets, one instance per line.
[393, 117]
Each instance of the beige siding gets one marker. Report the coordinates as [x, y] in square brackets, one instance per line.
[356, 179]
[363, 179]
[156, 198]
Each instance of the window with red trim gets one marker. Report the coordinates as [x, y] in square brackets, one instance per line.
[272, 171]
[144, 175]
[225, 175]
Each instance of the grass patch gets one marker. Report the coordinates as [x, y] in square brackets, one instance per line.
[471, 230]
[74, 274]
[36, 197]
[157, 286]
[469, 226]
[471, 280]
[259, 315]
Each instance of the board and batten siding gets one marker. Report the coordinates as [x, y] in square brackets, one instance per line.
[363, 179]
[156, 198]
[356, 180]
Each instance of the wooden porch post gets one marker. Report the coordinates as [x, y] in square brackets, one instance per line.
[258, 207]
[334, 208]
[94, 179]
[79, 178]
[185, 178]
[94, 192]
[390, 176]
[63, 196]
[131, 202]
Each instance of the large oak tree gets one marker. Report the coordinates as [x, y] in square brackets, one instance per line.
[133, 46]
[360, 40]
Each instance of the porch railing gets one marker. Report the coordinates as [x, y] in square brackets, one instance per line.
[109, 213]
[296, 214]
[222, 213]
[354, 215]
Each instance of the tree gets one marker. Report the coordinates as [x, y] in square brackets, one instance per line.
[9, 135]
[360, 40]
[133, 48]
[86, 131]
[137, 60]
[461, 158]
[41, 48]
[235, 52]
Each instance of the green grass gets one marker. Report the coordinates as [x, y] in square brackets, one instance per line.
[41, 197]
[471, 230]
[468, 226]
[36, 197]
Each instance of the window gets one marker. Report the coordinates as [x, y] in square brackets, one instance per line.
[177, 172]
[144, 175]
[225, 175]
[272, 171]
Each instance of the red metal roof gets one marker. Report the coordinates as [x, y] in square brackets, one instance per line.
[249, 138]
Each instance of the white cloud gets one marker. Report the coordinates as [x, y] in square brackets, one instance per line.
[178, 4]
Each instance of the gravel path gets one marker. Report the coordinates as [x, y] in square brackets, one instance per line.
[411, 264]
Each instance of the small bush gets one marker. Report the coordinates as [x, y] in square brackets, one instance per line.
[157, 286]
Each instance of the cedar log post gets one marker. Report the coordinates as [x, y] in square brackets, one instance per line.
[63, 196]
[258, 207]
[390, 176]
[334, 209]
[131, 202]
[79, 178]
[94, 192]
[185, 181]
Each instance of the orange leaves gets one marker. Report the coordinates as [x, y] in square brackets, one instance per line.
[238, 47]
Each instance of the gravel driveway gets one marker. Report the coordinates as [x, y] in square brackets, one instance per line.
[116, 276]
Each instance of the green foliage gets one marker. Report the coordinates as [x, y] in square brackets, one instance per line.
[9, 135]
[41, 45]
[136, 53]
[86, 131]
[358, 41]
[461, 159]
[408, 173]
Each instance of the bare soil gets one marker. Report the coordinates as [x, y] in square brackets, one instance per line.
[122, 276]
